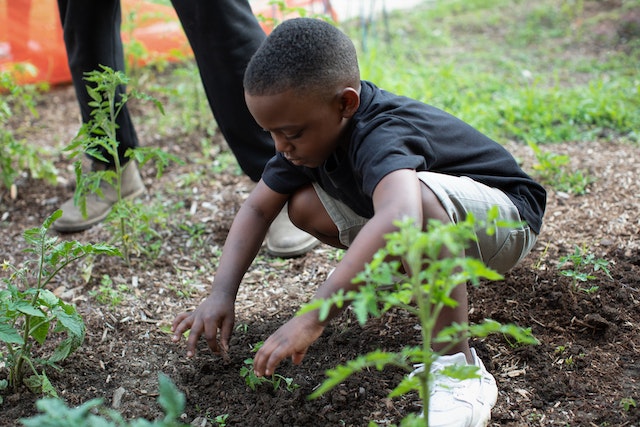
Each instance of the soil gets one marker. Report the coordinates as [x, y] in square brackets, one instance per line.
[586, 366]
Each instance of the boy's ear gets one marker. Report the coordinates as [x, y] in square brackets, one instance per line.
[349, 102]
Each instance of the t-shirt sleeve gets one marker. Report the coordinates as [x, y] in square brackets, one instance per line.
[389, 146]
[282, 176]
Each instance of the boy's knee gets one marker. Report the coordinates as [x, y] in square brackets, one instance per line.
[303, 205]
[432, 208]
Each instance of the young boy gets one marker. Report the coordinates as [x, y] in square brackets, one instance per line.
[351, 159]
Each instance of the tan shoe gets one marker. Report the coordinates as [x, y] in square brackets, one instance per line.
[285, 240]
[98, 207]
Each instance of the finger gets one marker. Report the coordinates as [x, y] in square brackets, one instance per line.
[181, 324]
[298, 356]
[225, 335]
[261, 358]
[211, 336]
[192, 340]
[179, 318]
[277, 356]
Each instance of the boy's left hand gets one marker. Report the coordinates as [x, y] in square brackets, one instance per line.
[291, 339]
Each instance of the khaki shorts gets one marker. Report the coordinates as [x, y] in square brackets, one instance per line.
[459, 196]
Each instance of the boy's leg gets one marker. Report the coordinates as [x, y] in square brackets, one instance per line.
[460, 196]
[309, 213]
[224, 35]
[92, 38]
[469, 402]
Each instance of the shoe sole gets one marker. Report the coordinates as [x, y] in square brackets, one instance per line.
[88, 224]
[293, 252]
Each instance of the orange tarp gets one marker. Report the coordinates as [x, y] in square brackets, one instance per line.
[30, 33]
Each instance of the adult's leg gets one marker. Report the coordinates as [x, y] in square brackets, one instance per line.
[224, 34]
[92, 37]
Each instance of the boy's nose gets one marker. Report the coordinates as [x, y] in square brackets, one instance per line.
[281, 144]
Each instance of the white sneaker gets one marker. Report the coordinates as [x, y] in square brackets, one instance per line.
[285, 240]
[460, 403]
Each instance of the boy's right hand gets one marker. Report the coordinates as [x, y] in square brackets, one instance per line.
[213, 314]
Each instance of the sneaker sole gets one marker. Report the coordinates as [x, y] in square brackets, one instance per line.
[76, 228]
[293, 252]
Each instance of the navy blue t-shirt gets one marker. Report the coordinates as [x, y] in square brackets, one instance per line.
[391, 132]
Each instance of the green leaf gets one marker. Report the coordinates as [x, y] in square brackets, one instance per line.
[57, 414]
[47, 298]
[378, 359]
[47, 387]
[26, 308]
[70, 320]
[39, 332]
[459, 372]
[405, 386]
[40, 384]
[171, 399]
[9, 335]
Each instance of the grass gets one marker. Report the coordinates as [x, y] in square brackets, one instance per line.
[547, 71]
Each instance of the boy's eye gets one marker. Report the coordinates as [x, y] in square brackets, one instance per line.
[294, 136]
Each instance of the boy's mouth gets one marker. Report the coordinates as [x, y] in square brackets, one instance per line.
[291, 159]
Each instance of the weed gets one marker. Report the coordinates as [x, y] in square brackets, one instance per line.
[535, 416]
[538, 264]
[189, 99]
[18, 155]
[627, 403]
[425, 294]
[109, 294]
[93, 413]
[554, 169]
[30, 315]
[581, 266]
[225, 161]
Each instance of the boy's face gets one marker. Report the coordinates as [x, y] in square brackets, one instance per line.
[305, 128]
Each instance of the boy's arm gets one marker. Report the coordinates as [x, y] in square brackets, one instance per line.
[216, 312]
[398, 195]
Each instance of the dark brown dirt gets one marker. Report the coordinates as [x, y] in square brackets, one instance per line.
[587, 363]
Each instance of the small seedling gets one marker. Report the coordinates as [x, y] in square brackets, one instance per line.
[425, 293]
[242, 327]
[30, 314]
[252, 380]
[220, 420]
[627, 403]
[581, 266]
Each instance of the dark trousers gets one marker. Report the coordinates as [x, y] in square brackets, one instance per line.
[223, 35]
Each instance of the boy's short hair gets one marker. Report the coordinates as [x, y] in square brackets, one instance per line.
[302, 53]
